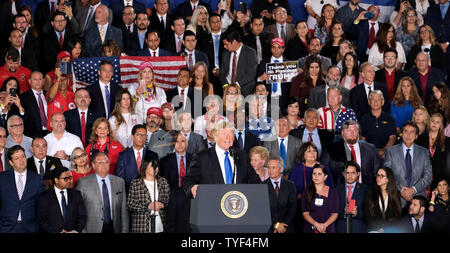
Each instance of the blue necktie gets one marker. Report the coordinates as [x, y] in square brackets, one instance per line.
[408, 167]
[106, 205]
[108, 101]
[216, 49]
[228, 171]
[283, 154]
[64, 205]
[275, 85]
[443, 10]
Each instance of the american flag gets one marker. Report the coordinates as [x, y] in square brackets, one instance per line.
[126, 69]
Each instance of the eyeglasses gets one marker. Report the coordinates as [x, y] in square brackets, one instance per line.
[16, 125]
[424, 31]
[66, 179]
[79, 156]
[281, 13]
[411, 15]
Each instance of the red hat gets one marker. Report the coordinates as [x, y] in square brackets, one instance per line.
[144, 65]
[278, 41]
[166, 105]
[154, 110]
[63, 54]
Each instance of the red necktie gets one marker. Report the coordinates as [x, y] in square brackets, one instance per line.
[193, 9]
[1, 163]
[182, 97]
[139, 162]
[83, 128]
[182, 169]
[61, 40]
[53, 8]
[350, 193]
[371, 35]
[154, 53]
[234, 70]
[179, 44]
[352, 150]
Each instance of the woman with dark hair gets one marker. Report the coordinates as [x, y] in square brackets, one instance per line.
[144, 190]
[297, 47]
[320, 204]
[301, 174]
[386, 39]
[439, 101]
[350, 76]
[331, 47]
[111, 48]
[102, 141]
[123, 118]
[382, 205]
[75, 47]
[345, 46]
[406, 99]
[310, 77]
[293, 113]
[12, 105]
[440, 206]
[324, 25]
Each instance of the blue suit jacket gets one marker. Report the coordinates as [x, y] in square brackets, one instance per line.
[361, 31]
[117, 7]
[93, 42]
[435, 75]
[441, 27]
[162, 52]
[10, 204]
[358, 221]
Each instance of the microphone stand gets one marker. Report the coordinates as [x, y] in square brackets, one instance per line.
[153, 215]
[348, 218]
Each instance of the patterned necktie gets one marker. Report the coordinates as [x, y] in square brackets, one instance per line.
[63, 204]
[41, 168]
[277, 189]
[283, 154]
[182, 98]
[42, 110]
[83, 128]
[20, 188]
[283, 33]
[139, 162]
[228, 171]
[61, 40]
[310, 136]
[258, 48]
[102, 33]
[350, 193]
[182, 169]
[107, 96]
[106, 205]
[234, 69]
[408, 164]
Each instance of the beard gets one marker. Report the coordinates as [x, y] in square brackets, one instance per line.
[331, 82]
[351, 141]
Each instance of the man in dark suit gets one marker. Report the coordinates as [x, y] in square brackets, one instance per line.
[41, 163]
[35, 118]
[410, 163]
[186, 8]
[53, 42]
[27, 56]
[318, 95]
[177, 96]
[417, 220]
[44, 10]
[174, 41]
[239, 63]
[351, 191]
[213, 47]
[130, 160]
[251, 39]
[61, 209]
[85, 15]
[19, 190]
[205, 167]
[191, 54]
[390, 75]
[244, 140]
[425, 76]
[153, 40]
[3, 151]
[98, 34]
[103, 91]
[365, 31]
[118, 6]
[359, 95]
[79, 121]
[195, 141]
[351, 148]
[126, 23]
[282, 198]
[173, 168]
[134, 42]
[30, 36]
[6, 18]
[160, 19]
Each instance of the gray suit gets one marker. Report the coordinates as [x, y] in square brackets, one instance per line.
[421, 168]
[195, 143]
[317, 97]
[160, 143]
[247, 65]
[293, 146]
[272, 31]
[92, 196]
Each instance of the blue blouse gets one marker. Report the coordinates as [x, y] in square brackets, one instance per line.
[401, 114]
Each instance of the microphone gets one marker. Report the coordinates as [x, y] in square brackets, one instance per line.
[233, 153]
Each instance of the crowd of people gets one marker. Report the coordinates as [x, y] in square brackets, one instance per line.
[356, 142]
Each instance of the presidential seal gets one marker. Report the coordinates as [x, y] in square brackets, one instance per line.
[234, 204]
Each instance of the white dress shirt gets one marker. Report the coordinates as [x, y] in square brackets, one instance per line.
[186, 90]
[366, 87]
[105, 103]
[358, 156]
[58, 196]
[67, 144]
[238, 52]
[221, 156]
[137, 152]
[151, 186]
[38, 164]
[108, 185]
[44, 102]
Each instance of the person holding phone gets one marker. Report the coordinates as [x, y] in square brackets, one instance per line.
[60, 98]
[439, 204]
[11, 104]
[64, 66]
[364, 28]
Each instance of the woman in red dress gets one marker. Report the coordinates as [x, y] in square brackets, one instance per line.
[79, 165]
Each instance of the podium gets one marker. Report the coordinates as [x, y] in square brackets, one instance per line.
[231, 208]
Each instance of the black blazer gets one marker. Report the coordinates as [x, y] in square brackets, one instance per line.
[27, 58]
[380, 77]
[42, 14]
[185, 10]
[207, 46]
[406, 225]
[295, 49]
[146, 52]
[97, 105]
[169, 169]
[283, 208]
[436, 54]
[376, 221]
[170, 94]
[32, 118]
[131, 43]
[359, 101]
[250, 141]
[250, 40]
[73, 123]
[434, 76]
[170, 44]
[49, 162]
[358, 221]
[326, 138]
[49, 213]
[205, 169]
[155, 24]
[117, 7]
[199, 56]
[50, 48]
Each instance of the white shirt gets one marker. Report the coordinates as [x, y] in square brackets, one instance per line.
[366, 87]
[237, 52]
[192, 53]
[102, 88]
[143, 104]
[38, 164]
[44, 102]
[67, 144]
[123, 132]
[154, 51]
[186, 90]
[136, 152]
[108, 185]
[58, 196]
[376, 58]
[178, 40]
[192, 4]
[151, 185]
[221, 156]
[24, 178]
[285, 143]
[85, 114]
[358, 156]
[164, 17]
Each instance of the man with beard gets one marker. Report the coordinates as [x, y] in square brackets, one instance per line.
[158, 140]
[13, 68]
[314, 47]
[348, 13]
[416, 221]
[351, 148]
[318, 95]
[135, 41]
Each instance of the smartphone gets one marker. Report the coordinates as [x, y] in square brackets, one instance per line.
[223, 4]
[66, 67]
[351, 205]
[243, 7]
[67, 3]
[13, 92]
[369, 15]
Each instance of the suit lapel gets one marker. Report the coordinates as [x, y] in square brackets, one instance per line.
[54, 199]
[114, 188]
[215, 160]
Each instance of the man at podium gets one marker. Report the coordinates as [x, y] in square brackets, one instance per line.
[216, 165]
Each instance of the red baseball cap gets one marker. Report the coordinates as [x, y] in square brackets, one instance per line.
[154, 110]
[278, 41]
[63, 54]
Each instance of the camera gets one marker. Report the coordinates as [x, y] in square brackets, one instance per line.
[66, 67]
[243, 7]
[67, 3]
[369, 15]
